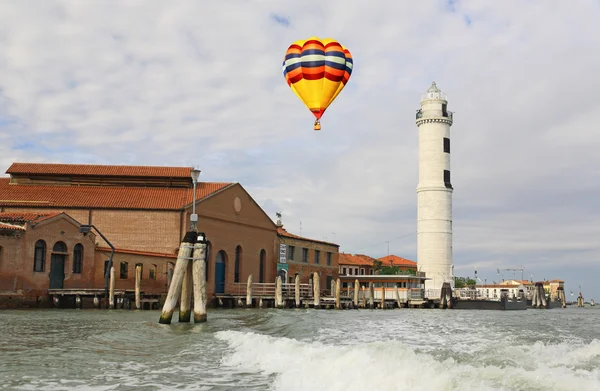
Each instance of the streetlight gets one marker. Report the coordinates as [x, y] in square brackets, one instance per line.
[85, 229]
[195, 173]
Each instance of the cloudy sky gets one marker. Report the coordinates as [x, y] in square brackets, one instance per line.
[200, 83]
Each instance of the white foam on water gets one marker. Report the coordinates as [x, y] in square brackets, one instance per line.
[393, 365]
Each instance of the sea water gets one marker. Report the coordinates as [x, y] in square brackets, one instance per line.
[406, 349]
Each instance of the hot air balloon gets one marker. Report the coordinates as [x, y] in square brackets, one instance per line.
[317, 71]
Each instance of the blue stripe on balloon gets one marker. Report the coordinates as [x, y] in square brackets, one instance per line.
[313, 64]
[335, 65]
[336, 54]
[292, 55]
[309, 52]
[291, 67]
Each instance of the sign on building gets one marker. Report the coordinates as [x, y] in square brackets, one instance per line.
[282, 253]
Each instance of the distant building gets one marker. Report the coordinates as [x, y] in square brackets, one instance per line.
[355, 264]
[303, 256]
[402, 263]
[492, 291]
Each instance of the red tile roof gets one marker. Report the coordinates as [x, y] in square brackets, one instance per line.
[358, 259]
[11, 227]
[98, 170]
[102, 197]
[25, 217]
[394, 260]
[282, 232]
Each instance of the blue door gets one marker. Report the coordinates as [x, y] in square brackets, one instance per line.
[220, 272]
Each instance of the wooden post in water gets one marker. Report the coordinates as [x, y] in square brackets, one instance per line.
[278, 293]
[332, 288]
[316, 290]
[383, 295]
[249, 292]
[111, 288]
[363, 300]
[297, 290]
[185, 304]
[185, 250]
[371, 295]
[356, 290]
[338, 303]
[199, 279]
[138, 278]
[397, 297]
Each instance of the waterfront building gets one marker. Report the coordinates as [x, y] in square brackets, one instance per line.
[492, 291]
[355, 264]
[301, 256]
[143, 212]
[399, 262]
[434, 190]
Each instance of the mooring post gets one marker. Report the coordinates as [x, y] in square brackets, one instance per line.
[397, 296]
[138, 277]
[249, 292]
[96, 302]
[371, 295]
[278, 293]
[111, 288]
[199, 278]
[317, 290]
[363, 300]
[185, 303]
[542, 295]
[356, 290]
[185, 250]
[338, 302]
[449, 296]
[297, 290]
[332, 288]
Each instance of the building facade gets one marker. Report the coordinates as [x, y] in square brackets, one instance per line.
[144, 213]
[434, 190]
[302, 256]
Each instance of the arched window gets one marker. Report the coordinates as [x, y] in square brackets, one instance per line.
[77, 258]
[59, 247]
[261, 271]
[39, 257]
[238, 259]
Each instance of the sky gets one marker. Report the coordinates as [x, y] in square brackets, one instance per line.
[187, 83]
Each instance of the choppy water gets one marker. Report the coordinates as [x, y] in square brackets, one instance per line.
[302, 350]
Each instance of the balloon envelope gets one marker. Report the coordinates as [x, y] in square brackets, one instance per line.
[317, 71]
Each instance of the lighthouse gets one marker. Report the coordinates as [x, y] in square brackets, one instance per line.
[434, 191]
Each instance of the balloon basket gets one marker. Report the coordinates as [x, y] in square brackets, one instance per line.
[317, 125]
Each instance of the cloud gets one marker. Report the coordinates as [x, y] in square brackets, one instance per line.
[201, 84]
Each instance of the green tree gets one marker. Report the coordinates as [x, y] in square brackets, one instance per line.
[387, 270]
[377, 264]
[462, 282]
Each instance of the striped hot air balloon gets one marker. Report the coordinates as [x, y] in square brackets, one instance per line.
[317, 71]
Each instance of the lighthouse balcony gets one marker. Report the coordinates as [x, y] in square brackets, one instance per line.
[445, 114]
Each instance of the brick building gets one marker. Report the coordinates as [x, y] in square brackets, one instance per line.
[40, 251]
[144, 213]
[303, 256]
[402, 263]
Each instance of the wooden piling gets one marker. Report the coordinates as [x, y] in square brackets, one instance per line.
[371, 295]
[199, 282]
[185, 250]
[96, 302]
[383, 295]
[111, 288]
[356, 290]
[363, 300]
[332, 288]
[297, 291]
[249, 292]
[138, 278]
[278, 293]
[338, 303]
[185, 303]
[316, 290]
[397, 293]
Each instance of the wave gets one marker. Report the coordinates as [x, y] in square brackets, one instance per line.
[393, 365]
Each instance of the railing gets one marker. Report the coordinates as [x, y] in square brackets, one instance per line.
[446, 114]
[433, 293]
[268, 289]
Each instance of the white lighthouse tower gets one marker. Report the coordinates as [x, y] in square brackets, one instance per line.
[434, 191]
